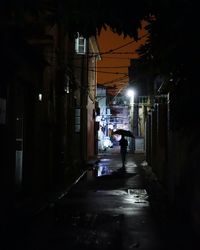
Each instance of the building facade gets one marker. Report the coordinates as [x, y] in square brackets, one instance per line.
[47, 107]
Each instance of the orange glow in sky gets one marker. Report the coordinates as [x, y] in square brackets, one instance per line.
[112, 69]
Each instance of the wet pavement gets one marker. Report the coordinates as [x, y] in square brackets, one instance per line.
[107, 209]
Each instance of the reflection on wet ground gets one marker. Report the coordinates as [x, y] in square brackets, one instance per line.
[104, 167]
[129, 195]
[110, 210]
[103, 170]
[105, 160]
[107, 210]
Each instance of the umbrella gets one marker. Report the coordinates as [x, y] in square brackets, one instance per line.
[123, 132]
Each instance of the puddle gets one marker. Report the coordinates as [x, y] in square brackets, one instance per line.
[138, 195]
[103, 170]
[104, 160]
[98, 171]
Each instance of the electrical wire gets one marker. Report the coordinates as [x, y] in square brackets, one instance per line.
[121, 58]
[112, 50]
[116, 80]
[108, 72]
[110, 67]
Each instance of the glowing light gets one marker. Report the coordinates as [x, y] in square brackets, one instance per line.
[40, 97]
[130, 92]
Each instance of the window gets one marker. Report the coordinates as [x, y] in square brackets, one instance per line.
[80, 45]
[77, 120]
[143, 99]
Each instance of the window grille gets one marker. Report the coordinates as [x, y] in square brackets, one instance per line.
[80, 45]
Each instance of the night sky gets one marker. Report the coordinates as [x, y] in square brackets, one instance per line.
[115, 58]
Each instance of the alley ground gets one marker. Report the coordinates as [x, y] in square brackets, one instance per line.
[106, 209]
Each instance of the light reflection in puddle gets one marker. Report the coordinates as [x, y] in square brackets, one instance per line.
[137, 195]
[103, 160]
[129, 196]
[103, 170]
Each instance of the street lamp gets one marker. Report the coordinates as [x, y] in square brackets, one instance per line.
[131, 93]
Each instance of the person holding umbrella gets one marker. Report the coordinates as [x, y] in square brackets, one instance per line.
[123, 143]
[123, 150]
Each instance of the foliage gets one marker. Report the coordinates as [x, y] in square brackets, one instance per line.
[87, 17]
[172, 51]
[173, 41]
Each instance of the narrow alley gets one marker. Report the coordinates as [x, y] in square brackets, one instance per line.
[106, 209]
[76, 78]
